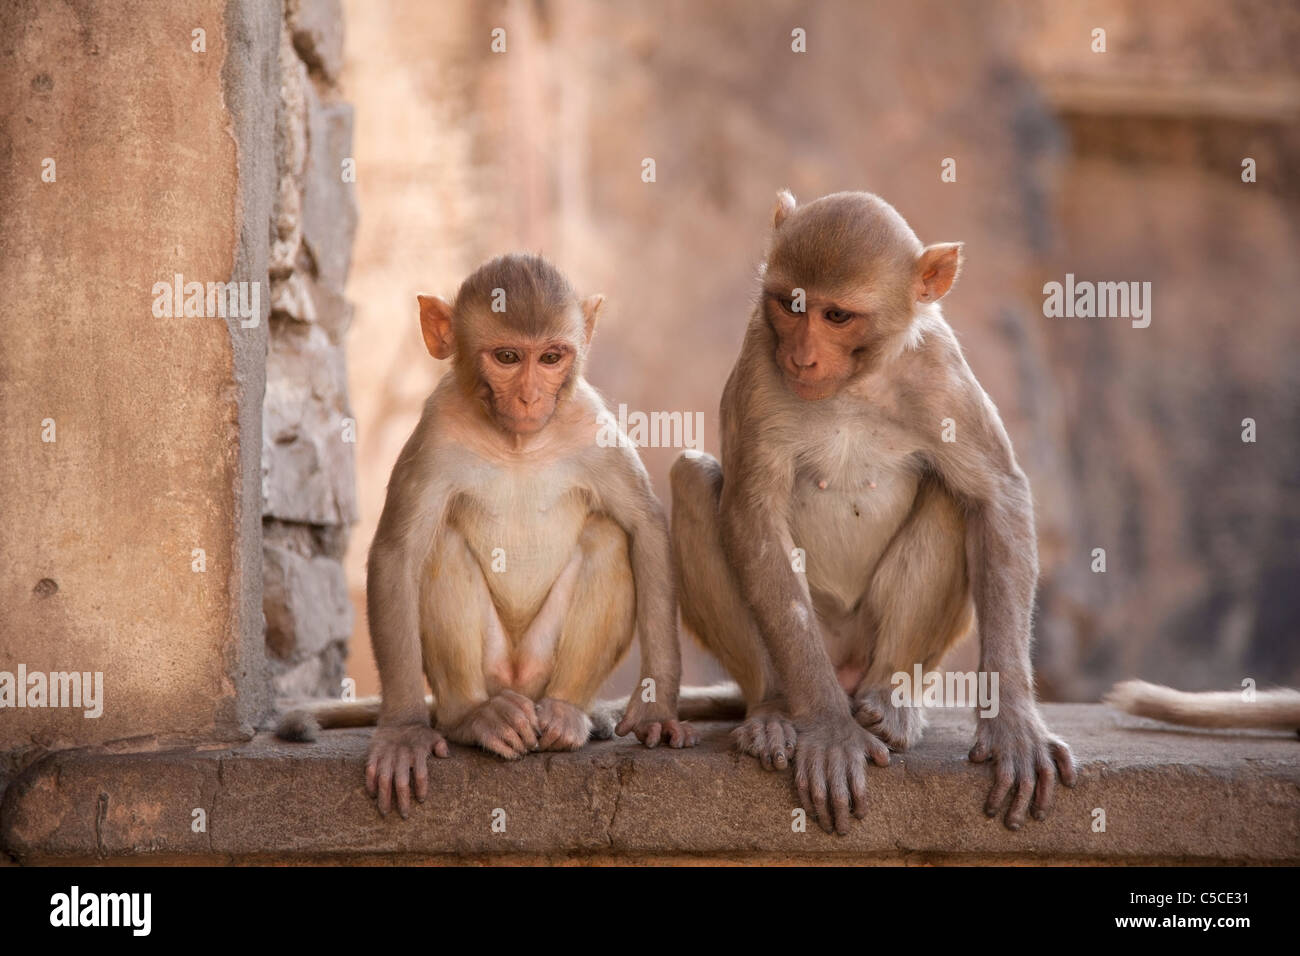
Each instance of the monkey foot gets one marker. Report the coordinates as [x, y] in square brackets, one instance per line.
[898, 727]
[767, 735]
[505, 724]
[563, 726]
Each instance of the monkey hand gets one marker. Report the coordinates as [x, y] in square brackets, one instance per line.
[830, 769]
[653, 723]
[395, 751]
[1026, 761]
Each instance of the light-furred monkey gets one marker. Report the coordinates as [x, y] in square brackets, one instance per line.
[867, 501]
[516, 554]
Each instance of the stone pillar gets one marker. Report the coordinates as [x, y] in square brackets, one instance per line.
[136, 147]
[309, 431]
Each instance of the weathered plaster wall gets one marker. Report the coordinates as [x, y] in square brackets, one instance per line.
[163, 164]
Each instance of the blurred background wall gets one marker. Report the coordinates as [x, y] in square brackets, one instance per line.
[1117, 166]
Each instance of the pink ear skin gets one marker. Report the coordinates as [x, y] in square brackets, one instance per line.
[435, 326]
[590, 310]
[936, 270]
[785, 204]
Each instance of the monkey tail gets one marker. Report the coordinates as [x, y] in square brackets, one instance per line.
[304, 723]
[1271, 709]
[715, 702]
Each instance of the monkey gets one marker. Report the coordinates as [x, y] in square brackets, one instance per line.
[517, 554]
[840, 539]
[1277, 709]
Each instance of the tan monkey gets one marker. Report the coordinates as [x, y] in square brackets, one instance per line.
[834, 422]
[1277, 709]
[517, 553]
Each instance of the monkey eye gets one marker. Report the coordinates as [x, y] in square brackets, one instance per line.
[506, 356]
[550, 358]
[837, 316]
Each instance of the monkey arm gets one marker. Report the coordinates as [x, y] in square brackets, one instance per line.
[413, 511]
[757, 540]
[980, 469]
[624, 492]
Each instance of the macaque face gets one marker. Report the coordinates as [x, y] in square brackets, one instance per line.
[845, 274]
[822, 347]
[525, 378]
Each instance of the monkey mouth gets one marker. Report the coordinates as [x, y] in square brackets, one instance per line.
[529, 425]
[810, 391]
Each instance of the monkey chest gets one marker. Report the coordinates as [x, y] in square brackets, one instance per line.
[522, 529]
[846, 507]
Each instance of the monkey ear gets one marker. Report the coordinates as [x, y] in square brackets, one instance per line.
[785, 205]
[936, 271]
[435, 326]
[590, 309]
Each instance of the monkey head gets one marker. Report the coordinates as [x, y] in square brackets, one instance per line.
[844, 276]
[519, 337]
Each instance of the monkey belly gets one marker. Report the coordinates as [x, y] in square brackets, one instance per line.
[843, 530]
[522, 557]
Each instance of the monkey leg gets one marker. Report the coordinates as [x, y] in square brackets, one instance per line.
[598, 622]
[715, 612]
[917, 606]
[458, 622]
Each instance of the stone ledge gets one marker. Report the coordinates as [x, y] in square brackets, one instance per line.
[1170, 796]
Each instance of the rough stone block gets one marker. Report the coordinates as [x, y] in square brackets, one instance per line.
[317, 29]
[1170, 796]
[305, 601]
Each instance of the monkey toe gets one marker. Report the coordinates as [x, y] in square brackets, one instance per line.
[769, 739]
[898, 727]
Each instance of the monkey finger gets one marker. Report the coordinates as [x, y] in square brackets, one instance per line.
[524, 705]
[1046, 791]
[678, 733]
[837, 772]
[372, 774]
[776, 746]
[1003, 778]
[762, 746]
[821, 807]
[385, 785]
[550, 734]
[652, 735]
[440, 748]
[511, 739]
[402, 782]
[858, 787]
[1020, 804]
[1064, 762]
[802, 784]
[980, 752]
[868, 714]
[524, 729]
[421, 767]
[878, 751]
[497, 745]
